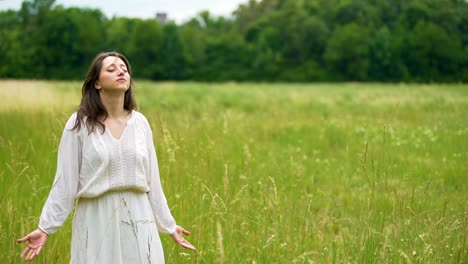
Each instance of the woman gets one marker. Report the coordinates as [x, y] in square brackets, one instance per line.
[107, 162]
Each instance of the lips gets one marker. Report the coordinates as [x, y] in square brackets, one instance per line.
[121, 79]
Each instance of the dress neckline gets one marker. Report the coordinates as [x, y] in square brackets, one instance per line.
[132, 114]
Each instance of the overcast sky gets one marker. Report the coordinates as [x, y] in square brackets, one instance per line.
[178, 10]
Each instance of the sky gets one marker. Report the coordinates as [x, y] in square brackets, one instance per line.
[177, 10]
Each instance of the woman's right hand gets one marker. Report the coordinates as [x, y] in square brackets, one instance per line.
[37, 240]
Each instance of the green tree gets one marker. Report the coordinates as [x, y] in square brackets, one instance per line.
[385, 60]
[347, 52]
[32, 17]
[268, 40]
[431, 54]
[413, 12]
[10, 46]
[70, 37]
[194, 38]
[229, 57]
[267, 62]
[173, 53]
[145, 48]
[118, 32]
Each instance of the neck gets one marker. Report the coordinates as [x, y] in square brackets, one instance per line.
[114, 104]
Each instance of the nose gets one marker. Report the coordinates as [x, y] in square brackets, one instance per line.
[120, 72]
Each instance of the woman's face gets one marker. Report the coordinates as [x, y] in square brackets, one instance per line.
[114, 75]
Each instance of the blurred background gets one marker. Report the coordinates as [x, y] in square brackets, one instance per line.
[269, 40]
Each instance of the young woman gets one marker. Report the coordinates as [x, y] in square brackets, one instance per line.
[107, 163]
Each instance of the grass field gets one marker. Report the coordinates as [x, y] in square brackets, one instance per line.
[269, 173]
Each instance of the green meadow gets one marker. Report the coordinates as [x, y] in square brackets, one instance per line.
[269, 173]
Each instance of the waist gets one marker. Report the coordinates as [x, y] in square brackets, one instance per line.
[112, 192]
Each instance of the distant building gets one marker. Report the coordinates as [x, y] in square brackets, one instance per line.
[161, 17]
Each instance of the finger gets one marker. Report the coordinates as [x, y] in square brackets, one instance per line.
[25, 251]
[33, 255]
[185, 232]
[30, 255]
[21, 240]
[38, 251]
[187, 245]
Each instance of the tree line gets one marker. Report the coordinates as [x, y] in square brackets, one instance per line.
[269, 40]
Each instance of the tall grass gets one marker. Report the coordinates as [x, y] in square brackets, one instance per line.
[261, 173]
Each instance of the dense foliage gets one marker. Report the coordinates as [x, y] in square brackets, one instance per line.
[269, 40]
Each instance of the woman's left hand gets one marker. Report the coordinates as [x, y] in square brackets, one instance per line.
[36, 240]
[179, 239]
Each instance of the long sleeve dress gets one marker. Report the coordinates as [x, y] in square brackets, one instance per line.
[115, 183]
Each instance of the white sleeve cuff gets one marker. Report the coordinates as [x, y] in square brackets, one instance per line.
[42, 229]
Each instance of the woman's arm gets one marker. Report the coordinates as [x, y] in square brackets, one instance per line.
[62, 195]
[164, 219]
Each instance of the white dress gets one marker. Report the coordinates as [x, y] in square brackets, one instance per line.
[120, 203]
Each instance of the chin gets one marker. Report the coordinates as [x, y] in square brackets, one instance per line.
[123, 87]
[118, 89]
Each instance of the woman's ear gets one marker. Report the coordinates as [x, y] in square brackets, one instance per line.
[97, 85]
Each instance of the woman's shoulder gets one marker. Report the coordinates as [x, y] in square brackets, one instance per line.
[71, 121]
[140, 117]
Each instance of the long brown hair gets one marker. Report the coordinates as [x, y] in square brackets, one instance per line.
[91, 106]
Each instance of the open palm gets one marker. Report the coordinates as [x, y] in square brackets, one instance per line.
[179, 239]
[37, 240]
